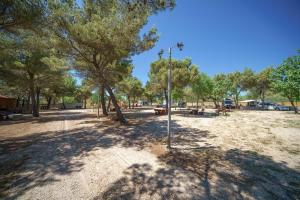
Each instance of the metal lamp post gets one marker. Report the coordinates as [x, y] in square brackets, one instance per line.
[180, 47]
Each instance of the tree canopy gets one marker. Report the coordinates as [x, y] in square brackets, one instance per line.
[183, 71]
[286, 79]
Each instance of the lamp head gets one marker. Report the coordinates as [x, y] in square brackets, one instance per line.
[180, 46]
[160, 53]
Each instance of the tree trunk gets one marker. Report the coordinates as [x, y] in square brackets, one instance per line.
[28, 101]
[294, 106]
[115, 103]
[236, 101]
[23, 104]
[263, 99]
[133, 103]
[128, 97]
[63, 102]
[84, 103]
[33, 99]
[104, 110]
[49, 102]
[98, 105]
[197, 105]
[108, 104]
[215, 103]
[166, 98]
[18, 102]
[38, 91]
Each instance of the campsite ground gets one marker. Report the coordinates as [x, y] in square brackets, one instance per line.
[72, 155]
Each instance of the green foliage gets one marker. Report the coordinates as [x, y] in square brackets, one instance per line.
[286, 79]
[24, 14]
[177, 95]
[202, 86]
[130, 87]
[30, 64]
[100, 35]
[262, 84]
[68, 87]
[240, 81]
[84, 91]
[221, 87]
[149, 92]
[182, 73]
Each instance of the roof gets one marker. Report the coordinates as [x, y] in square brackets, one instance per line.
[5, 97]
[246, 101]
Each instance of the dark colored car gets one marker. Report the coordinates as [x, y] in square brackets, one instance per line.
[5, 114]
[281, 107]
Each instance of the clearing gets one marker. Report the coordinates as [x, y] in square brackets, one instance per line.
[72, 155]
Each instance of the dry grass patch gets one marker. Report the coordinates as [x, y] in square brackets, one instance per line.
[158, 149]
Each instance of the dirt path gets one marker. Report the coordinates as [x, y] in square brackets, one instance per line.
[62, 160]
[73, 155]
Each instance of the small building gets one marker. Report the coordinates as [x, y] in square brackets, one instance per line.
[248, 103]
[8, 103]
[143, 103]
[71, 106]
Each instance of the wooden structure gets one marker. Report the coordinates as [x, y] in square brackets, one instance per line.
[8, 103]
[197, 112]
[248, 103]
[160, 111]
[223, 110]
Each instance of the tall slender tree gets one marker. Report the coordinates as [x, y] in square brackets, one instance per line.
[202, 87]
[263, 83]
[239, 82]
[30, 64]
[102, 33]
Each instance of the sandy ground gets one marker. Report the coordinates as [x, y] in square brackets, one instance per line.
[73, 155]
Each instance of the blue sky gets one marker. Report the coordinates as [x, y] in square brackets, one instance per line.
[226, 35]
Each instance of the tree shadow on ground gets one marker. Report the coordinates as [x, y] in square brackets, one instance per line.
[33, 160]
[208, 173]
[198, 173]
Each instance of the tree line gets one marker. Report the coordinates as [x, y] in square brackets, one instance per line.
[194, 86]
[42, 40]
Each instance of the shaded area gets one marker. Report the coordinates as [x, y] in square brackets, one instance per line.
[33, 160]
[208, 173]
[204, 171]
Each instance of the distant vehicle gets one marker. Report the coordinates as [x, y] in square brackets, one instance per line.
[281, 107]
[6, 114]
[181, 104]
[266, 106]
[228, 103]
[273, 106]
[161, 106]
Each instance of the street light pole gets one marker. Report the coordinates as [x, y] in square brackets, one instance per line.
[180, 47]
[169, 96]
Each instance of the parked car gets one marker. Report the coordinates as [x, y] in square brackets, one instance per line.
[6, 115]
[273, 106]
[266, 106]
[281, 107]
